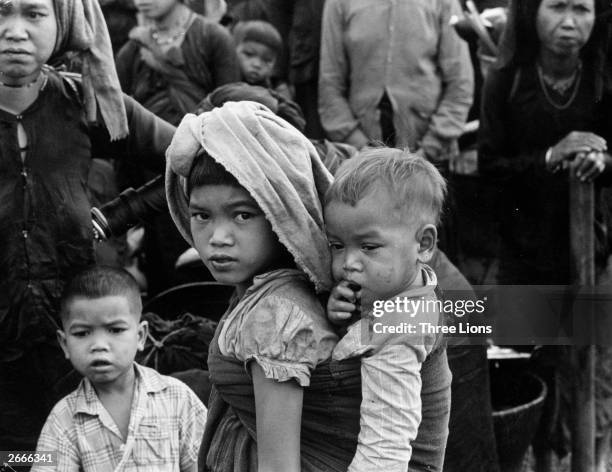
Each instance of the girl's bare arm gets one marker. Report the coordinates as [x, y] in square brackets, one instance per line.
[278, 408]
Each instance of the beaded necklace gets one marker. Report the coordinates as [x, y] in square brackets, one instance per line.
[560, 88]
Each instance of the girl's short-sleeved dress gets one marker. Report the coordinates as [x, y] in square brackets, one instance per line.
[281, 325]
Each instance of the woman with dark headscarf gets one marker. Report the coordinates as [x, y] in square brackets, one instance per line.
[52, 125]
[547, 107]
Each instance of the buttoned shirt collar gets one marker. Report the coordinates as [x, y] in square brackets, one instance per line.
[87, 399]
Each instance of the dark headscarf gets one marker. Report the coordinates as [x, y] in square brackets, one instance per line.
[81, 28]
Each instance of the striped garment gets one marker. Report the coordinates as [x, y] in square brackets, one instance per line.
[392, 401]
[166, 427]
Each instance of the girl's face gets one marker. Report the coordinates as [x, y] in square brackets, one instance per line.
[155, 9]
[28, 32]
[232, 235]
[565, 26]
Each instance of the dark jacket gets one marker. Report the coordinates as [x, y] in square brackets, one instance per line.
[518, 124]
[183, 76]
[45, 204]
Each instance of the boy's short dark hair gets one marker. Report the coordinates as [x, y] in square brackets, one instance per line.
[259, 32]
[206, 171]
[99, 282]
[415, 184]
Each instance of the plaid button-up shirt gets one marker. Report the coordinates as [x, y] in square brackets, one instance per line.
[166, 426]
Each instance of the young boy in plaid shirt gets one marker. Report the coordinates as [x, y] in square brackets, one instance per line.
[123, 416]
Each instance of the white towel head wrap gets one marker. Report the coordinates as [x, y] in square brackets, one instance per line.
[273, 161]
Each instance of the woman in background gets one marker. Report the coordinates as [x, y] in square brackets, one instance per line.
[546, 108]
[395, 72]
[169, 65]
[176, 59]
[51, 127]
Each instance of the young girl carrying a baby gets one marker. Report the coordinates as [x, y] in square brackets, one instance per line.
[245, 189]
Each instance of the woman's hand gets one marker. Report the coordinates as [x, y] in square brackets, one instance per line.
[589, 165]
[574, 143]
[278, 412]
[342, 303]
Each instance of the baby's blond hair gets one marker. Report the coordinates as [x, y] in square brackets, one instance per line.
[415, 184]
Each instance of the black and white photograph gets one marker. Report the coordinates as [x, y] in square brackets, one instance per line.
[305, 236]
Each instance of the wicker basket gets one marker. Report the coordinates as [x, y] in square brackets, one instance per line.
[518, 399]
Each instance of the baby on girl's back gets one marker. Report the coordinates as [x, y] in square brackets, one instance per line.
[245, 189]
[381, 214]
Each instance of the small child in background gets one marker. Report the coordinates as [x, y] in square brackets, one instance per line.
[123, 416]
[258, 47]
[381, 214]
